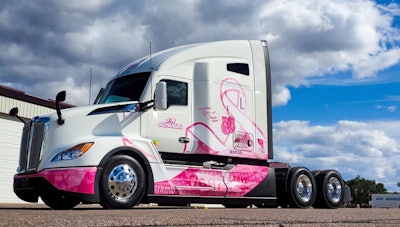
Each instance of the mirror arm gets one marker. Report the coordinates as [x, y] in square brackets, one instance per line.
[14, 113]
[60, 98]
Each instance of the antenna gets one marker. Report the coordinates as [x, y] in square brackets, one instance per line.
[90, 84]
[151, 67]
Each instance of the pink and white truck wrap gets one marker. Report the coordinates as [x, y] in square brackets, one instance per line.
[191, 124]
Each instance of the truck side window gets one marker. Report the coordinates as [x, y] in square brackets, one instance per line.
[240, 68]
[177, 93]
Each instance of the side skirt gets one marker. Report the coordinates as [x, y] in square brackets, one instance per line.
[183, 200]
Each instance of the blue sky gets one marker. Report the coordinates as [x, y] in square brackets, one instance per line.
[321, 112]
[326, 104]
[335, 64]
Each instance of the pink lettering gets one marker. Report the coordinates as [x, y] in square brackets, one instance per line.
[170, 123]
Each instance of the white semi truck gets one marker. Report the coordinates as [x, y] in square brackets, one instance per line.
[191, 124]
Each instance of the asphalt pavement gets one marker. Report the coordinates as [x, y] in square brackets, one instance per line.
[94, 215]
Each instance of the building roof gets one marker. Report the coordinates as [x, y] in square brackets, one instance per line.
[22, 96]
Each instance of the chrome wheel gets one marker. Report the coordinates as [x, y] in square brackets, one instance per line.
[334, 190]
[304, 188]
[122, 181]
[330, 186]
[301, 188]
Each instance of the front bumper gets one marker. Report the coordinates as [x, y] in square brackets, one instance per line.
[79, 182]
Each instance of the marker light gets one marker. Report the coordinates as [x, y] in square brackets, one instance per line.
[73, 153]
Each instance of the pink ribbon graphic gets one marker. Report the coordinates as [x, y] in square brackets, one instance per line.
[234, 101]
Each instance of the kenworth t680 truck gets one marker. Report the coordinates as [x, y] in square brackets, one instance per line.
[191, 124]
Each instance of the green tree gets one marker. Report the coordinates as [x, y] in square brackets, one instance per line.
[362, 188]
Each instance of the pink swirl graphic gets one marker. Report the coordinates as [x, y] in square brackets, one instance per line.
[213, 182]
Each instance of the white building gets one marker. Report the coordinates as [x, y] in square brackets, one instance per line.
[385, 201]
[11, 131]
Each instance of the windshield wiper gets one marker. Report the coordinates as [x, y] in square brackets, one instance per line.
[133, 107]
[144, 106]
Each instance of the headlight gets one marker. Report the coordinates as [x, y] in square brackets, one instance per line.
[73, 153]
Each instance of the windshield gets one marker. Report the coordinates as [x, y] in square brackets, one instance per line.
[126, 88]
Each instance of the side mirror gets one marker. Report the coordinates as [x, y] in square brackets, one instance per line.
[14, 111]
[160, 96]
[60, 98]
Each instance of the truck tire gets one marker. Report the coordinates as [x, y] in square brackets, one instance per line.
[316, 172]
[302, 189]
[122, 183]
[59, 201]
[330, 186]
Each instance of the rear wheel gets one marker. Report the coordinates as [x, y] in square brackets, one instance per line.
[59, 201]
[301, 188]
[330, 189]
[122, 183]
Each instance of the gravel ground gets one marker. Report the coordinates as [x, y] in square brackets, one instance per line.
[93, 215]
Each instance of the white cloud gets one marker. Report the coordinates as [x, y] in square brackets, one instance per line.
[370, 65]
[368, 149]
[392, 108]
[280, 95]
[86, 6]
[388, 108]
[306, 38]
[316, 38]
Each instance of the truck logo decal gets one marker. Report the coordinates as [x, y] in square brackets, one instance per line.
[170, 123]
[228, 125]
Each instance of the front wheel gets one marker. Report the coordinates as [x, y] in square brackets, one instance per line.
[330, 189]
[302, 188]
[122, 183]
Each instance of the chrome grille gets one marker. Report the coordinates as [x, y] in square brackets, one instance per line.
[33, 136]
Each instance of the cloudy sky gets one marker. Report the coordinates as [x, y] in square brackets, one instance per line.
[335, 64]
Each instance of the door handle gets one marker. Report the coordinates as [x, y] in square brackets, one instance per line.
[184, 140]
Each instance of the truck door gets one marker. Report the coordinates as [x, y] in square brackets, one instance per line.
[167, 128]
